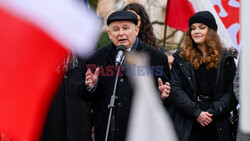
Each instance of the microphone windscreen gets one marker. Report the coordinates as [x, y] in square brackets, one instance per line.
[120, 47]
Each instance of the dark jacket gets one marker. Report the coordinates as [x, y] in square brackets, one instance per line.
[186, 109]
[105, 58]
[69, 116]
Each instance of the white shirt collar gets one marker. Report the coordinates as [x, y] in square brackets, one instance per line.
[128, 49]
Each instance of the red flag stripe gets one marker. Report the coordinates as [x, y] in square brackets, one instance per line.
[28, 78]
[178, 13]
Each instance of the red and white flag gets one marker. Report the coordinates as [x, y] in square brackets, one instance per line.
[228, 11]
[179, 20]
[35, 37]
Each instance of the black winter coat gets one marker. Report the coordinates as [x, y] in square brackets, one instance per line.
[105, 58]
[69, 116]
[186, 109]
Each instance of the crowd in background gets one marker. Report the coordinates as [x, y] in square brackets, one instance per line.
[196, 85]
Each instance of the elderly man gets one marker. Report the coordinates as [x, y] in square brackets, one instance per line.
[100, 75]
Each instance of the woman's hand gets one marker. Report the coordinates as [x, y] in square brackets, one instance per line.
[204, 118]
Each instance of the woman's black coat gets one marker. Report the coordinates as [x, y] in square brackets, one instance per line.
[185, 109]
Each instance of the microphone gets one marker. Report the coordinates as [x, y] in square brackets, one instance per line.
[120, 52]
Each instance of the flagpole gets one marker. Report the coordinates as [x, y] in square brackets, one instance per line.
[164, 37]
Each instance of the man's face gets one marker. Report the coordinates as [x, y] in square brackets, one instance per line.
[123, 33]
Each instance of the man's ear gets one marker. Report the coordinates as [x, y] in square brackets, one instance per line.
[137, 29]
[109, 33]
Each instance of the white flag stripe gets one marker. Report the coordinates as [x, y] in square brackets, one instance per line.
[148, 120]
[201, 5]
[63, 20]
[245, 68]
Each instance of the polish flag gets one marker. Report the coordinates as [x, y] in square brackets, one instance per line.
[176, 18]
[35, 38]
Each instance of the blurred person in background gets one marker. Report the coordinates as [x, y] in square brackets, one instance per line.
[202, 83]
[69, 117]
[146, 33]
[170, 57]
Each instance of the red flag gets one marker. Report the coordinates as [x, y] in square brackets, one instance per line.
[178, 13]
[32, 48]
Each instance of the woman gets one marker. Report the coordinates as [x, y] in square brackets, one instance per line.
[202, 83]
[146, 30]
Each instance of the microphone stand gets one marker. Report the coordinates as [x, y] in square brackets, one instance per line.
[111, 106]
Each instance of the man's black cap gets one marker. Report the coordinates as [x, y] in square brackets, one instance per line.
[204, 17]
[122, 16]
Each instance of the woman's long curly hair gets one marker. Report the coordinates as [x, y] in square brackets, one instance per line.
[192, 53]
[146, 30]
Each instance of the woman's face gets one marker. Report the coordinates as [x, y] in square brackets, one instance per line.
[138, 16]
[199, 33]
